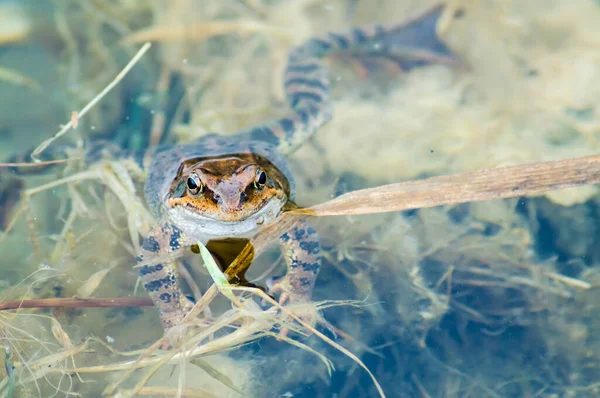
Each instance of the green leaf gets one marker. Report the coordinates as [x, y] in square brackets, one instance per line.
[215, 272]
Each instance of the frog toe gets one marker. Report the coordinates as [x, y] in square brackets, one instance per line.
[284, 287]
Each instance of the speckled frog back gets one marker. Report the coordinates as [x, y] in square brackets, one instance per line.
[168, 160]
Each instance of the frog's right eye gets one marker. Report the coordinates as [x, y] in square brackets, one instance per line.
[194, 185]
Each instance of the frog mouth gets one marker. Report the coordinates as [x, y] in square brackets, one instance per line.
[200, 225]
[224, 214]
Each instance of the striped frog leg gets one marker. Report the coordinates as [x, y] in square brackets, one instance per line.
[302, 253]
[307, 86]
[159, 273]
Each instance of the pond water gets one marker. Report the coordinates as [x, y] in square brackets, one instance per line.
[485, 299]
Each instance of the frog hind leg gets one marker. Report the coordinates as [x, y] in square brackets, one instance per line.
[160, 278]
[409, 44]
[302, 253]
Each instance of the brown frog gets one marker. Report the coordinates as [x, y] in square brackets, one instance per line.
[230, 187]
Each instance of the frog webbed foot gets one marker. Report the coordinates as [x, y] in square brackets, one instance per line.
[290, 289]
[174, 327]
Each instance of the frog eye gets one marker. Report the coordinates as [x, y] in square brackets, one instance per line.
[194, 185]
[260, 180]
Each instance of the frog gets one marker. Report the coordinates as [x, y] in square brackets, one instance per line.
[231, 186]
[220, 188]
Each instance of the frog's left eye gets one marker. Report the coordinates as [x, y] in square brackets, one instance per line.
[194, 185]
[260, 180]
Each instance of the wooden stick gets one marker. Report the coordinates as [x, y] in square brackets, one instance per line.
[44, 163]
[76, 303]
[505, 182]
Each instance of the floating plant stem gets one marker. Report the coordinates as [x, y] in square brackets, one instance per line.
[76, 303]
[489, 184]
[92, 103]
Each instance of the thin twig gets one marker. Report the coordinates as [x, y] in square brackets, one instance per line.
[203, 30]
[500, 183]
[76, 303]
[93, 102]
[159, 118]
[37, 164]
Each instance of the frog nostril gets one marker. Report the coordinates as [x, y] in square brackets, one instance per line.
[216, 198]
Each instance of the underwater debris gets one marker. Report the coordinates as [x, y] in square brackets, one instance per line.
[10, 193]
[445, 290]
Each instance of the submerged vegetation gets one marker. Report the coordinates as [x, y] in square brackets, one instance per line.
[483, 299]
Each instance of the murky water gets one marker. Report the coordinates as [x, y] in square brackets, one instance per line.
[490, 299]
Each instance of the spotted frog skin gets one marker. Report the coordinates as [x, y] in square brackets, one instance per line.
[229, 187]
[218, 188]
[221, 187]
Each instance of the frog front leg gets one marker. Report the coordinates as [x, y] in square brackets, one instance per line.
[160, 276]
[302, 253]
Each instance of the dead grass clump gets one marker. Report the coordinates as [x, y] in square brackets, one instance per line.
[85, 269]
